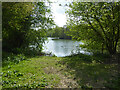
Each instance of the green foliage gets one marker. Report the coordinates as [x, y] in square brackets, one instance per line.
[32, 73]
[60, 32]
[9, 59]
[24, 25]
[95, 23]
[9, 82]
[15, 24]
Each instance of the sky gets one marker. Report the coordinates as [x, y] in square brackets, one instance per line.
[59, 12]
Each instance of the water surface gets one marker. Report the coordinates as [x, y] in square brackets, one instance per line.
[61, 47]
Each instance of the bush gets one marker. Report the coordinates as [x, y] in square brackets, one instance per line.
[10, 58]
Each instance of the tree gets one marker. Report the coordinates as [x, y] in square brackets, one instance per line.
[15, 24]
[60, 32]
[18, 20]
[41, 22]
[96, 23]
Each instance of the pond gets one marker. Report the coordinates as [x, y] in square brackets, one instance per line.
[62, 47]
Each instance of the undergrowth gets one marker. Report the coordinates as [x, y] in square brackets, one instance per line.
[89, 71]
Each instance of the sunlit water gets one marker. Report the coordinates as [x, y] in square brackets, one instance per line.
[62, 48]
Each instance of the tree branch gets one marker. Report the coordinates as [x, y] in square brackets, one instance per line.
[95, 30]
[101, 28]
[118, 30]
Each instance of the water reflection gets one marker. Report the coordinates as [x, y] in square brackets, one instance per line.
[61, 47]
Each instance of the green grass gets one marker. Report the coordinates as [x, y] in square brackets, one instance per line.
[33, 73]
[89, 72]
[81, 71]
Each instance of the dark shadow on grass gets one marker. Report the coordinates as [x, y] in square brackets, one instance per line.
[88, 71]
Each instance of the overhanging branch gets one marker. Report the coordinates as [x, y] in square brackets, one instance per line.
[95, 30]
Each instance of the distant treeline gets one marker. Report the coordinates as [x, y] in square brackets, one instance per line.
[60, 32]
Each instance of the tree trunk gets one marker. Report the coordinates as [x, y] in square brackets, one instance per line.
[111, 48]
[102, 47]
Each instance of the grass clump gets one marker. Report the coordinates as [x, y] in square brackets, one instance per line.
[34, 73]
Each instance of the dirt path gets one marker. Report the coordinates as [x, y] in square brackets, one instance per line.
[67, 82]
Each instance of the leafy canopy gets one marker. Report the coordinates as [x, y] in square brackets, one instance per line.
[20, 20]
[95, 23]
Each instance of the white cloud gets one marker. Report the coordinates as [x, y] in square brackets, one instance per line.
[60, 19]
[59, 13]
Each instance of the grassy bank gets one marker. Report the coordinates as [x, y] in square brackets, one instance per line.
[78, 71]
